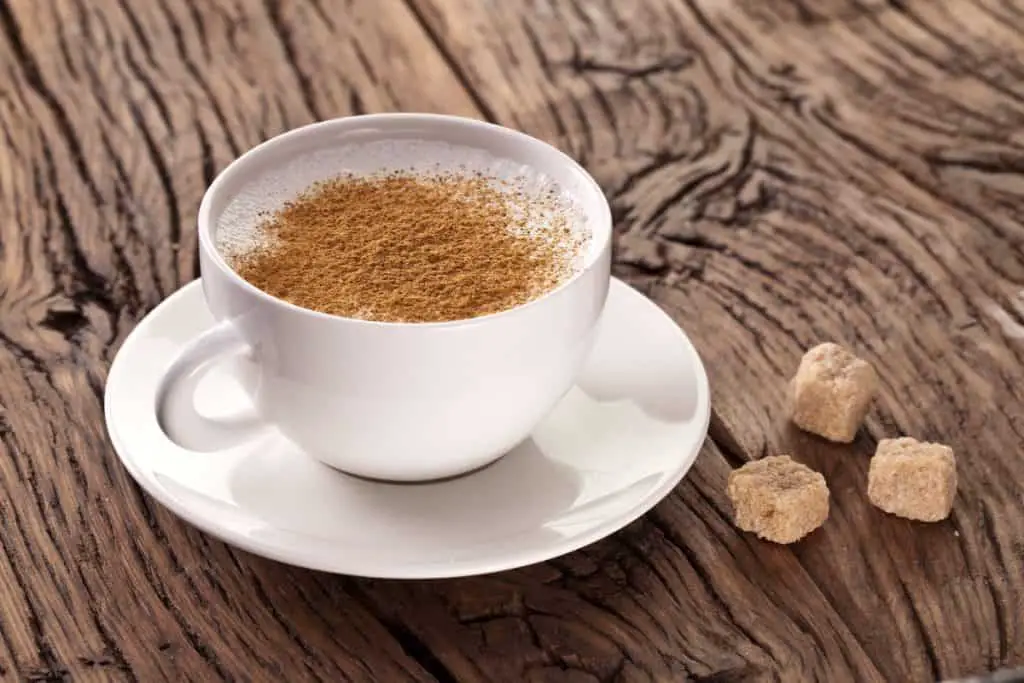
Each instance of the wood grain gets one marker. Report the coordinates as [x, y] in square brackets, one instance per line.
[115, 116]
[784, 175]
[782, 172]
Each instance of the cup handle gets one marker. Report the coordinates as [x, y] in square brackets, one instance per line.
[175, 406]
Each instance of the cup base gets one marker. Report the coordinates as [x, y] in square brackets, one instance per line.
[417, 482]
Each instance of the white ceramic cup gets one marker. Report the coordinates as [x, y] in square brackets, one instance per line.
[393, 401]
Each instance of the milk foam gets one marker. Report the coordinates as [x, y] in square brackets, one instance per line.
[239, 231]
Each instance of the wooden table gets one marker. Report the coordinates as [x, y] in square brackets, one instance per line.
[782, 172]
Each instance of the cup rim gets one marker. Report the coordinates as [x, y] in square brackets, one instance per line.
[205, 223]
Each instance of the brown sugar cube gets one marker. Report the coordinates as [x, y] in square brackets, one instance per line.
[778, 499]
[831, 392]
[913, 479]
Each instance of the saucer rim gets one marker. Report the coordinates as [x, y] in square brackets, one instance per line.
[295, 556]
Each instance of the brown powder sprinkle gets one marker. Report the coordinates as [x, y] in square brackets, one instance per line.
[403, 247]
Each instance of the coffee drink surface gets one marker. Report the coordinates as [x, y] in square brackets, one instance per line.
[404, 231]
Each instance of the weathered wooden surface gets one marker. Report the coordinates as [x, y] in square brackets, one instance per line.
[782, 172]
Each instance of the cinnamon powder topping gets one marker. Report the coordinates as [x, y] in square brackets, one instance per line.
[405, 247]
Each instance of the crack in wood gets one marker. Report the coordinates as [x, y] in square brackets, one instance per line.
[670, 64]
[455, 66]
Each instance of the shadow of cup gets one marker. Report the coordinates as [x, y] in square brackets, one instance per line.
[426, 523]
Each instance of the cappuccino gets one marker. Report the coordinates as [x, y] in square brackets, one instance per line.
[404, 231]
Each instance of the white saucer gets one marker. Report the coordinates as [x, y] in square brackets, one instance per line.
[619, 441]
